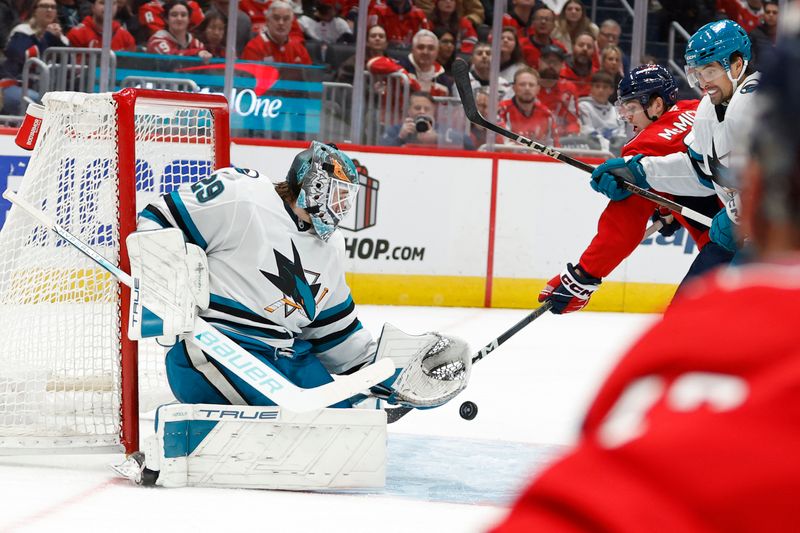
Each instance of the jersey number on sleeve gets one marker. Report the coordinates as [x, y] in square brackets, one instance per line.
[208, 188]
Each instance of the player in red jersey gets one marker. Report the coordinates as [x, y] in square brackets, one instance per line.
[524, 114]
[89, 33]
[696, 430]
[646, 100]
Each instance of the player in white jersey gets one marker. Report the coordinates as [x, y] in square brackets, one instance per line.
[717, 58]
[276, 275]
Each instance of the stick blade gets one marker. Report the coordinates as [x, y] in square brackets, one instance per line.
[464, 88]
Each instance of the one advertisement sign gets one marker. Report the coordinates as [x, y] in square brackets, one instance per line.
[267, 97]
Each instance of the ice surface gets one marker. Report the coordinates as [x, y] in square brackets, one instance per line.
[444, 474]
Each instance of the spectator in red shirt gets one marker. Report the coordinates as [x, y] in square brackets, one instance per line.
[524, 114]
[400, 19]
[447, 14]
[273, 43]
[211, 32]
[176, 40]
[88, 34]
[151, 15]
[578, 69]
[559, 95]
[544, 21]
[257, 11]
[520, 17]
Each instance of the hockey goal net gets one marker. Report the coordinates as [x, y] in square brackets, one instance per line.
[69, 377]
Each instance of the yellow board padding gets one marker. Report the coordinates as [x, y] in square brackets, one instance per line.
[61, 285]
[468, 291]
[397, 289]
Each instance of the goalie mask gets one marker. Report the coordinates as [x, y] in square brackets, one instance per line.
[326, 181]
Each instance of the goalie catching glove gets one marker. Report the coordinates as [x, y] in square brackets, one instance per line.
[432, 368]
[569, 291]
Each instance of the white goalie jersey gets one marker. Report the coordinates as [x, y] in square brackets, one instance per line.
[272, 280]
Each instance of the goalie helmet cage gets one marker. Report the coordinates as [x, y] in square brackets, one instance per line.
[70, 379]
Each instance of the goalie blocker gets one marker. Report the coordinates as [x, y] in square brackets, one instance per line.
[172, 277]
[204, 445]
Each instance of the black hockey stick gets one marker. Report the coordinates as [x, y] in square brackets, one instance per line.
[393, 415]
[461, 75]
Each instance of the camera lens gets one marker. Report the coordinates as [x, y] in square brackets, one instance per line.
[422, 124]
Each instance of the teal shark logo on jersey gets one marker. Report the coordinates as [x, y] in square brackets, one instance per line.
[298, 293]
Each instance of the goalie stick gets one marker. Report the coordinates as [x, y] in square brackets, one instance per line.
[257, 374]
[395, 414]
[461, 75]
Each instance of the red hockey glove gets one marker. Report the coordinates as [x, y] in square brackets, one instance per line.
[569, 291]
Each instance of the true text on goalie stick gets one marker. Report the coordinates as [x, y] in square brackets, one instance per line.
[210, 340]
[461, 75]
[395, 414]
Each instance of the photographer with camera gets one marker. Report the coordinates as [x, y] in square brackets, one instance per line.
[419, 127]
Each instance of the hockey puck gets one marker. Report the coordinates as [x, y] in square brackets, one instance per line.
[468, 410]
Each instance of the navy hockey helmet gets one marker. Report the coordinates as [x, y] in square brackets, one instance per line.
[645, 81]
[326, 182]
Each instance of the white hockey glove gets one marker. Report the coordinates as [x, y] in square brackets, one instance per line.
[433, 368]
[170, 285]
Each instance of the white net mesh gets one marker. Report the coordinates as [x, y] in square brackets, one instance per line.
[59, 312]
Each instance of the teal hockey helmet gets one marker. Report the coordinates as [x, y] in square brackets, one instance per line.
[715, 42]
[326, 181]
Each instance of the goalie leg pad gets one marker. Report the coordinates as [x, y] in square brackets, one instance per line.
[208, 445]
